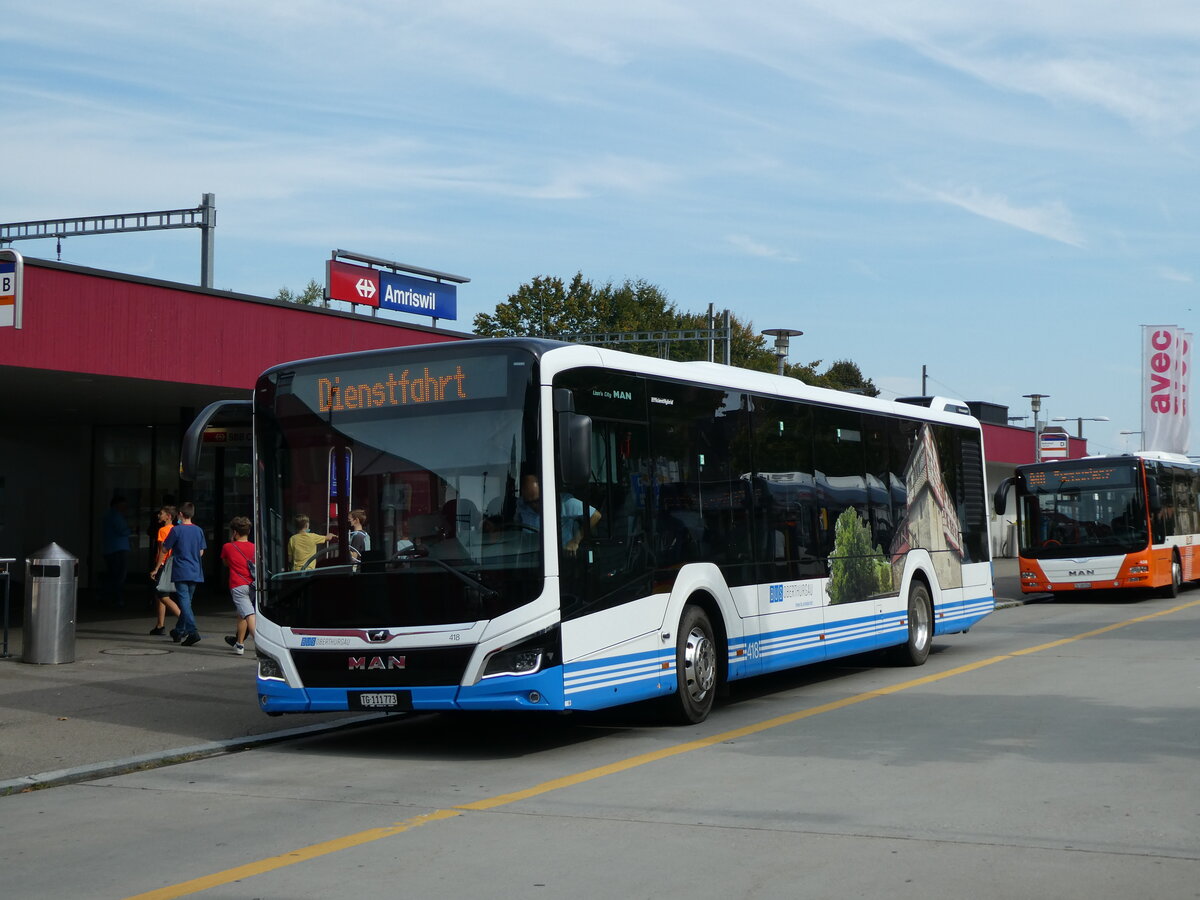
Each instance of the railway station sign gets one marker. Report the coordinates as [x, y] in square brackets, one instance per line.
[367, 286]
[1053, 445]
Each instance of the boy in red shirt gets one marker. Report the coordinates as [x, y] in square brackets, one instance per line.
[238, 555]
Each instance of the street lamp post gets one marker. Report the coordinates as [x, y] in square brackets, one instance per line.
[1079, 420]
[782, 337]
[1035, 403]
[1141, 443]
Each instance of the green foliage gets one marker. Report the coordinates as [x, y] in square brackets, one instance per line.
[857, 570]
[845, 375]
[549, 306]
[312, 295]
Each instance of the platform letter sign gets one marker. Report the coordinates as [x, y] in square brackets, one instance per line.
[11, 271]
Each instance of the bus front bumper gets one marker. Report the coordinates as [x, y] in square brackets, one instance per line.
[540, 691]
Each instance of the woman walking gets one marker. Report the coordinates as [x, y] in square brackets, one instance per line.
[164, 586]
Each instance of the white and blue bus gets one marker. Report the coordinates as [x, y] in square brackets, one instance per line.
[706, 524]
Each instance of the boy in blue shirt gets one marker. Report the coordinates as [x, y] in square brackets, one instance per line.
[187, 545]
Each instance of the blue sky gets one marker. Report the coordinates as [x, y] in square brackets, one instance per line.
[1001, 192]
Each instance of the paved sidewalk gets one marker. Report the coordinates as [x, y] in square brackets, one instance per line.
[131, 699]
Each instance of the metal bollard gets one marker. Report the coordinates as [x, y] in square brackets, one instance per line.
[51, 580]
[6, 565]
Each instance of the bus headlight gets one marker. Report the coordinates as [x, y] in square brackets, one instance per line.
[1138, 570]
[513, 662]
[529, 656]
[268, 667]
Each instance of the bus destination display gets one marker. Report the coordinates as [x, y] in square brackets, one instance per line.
[1048, 480]
[390, 387]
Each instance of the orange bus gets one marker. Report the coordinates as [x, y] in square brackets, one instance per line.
[1130, 521]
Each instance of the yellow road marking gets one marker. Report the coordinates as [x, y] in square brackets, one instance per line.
[315, 851]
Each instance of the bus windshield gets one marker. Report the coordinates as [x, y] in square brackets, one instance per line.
[388, 489]
[1081, 508]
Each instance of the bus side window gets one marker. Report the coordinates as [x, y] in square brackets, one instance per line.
[785, 491]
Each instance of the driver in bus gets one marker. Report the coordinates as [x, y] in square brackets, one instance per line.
[570, 512]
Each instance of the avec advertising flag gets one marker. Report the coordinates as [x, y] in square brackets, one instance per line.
[1166, 373]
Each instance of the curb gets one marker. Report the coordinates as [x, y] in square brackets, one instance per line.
[58, 777]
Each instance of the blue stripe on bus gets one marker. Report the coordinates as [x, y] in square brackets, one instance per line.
[599, 683]
[609, 681]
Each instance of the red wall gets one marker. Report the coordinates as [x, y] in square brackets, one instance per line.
[97, 323]
[1006, 444]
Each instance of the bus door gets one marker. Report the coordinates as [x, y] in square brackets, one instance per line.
[612, 565]
[607, 578]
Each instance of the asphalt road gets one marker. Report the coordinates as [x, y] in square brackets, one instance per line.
[1051, 752]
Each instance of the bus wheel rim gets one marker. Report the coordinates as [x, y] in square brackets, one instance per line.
[920, 622]
[700, 664]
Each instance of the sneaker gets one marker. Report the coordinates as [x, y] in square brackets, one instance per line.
[190, 640]
[239, 649]
[175, 635]
[158, 629]
[231, 640]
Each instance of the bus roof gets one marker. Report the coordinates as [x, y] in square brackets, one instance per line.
[557, 356]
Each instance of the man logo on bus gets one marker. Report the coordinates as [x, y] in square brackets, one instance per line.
[361, 663]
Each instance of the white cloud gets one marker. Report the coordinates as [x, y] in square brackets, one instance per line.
[1050, 220]
[751, 247]
[580, 180]
[1168, 274]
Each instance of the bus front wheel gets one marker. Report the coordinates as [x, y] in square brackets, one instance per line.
[915, 650]
[695, 669]
[1171, 589]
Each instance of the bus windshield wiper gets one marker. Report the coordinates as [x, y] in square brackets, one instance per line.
[413, 555]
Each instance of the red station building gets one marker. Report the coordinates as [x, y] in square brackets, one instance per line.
[105, 374]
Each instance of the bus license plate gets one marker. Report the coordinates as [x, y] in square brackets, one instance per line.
[1082, 585]
[390, 701]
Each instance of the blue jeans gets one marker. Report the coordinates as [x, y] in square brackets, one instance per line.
[187, 621]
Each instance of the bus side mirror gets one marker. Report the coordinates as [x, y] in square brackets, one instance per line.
[193, 438]
[1000, 498]
[574, 441]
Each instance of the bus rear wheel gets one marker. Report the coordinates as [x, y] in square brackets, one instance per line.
[695, 669]
[915, 650]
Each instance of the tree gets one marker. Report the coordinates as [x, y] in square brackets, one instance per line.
[549, 306]
[845, 375]
[312, 294]
[856, 569]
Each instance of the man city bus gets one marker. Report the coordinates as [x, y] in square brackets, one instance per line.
[564, 527]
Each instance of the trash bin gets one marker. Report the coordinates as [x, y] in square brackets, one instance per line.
[51, 579]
